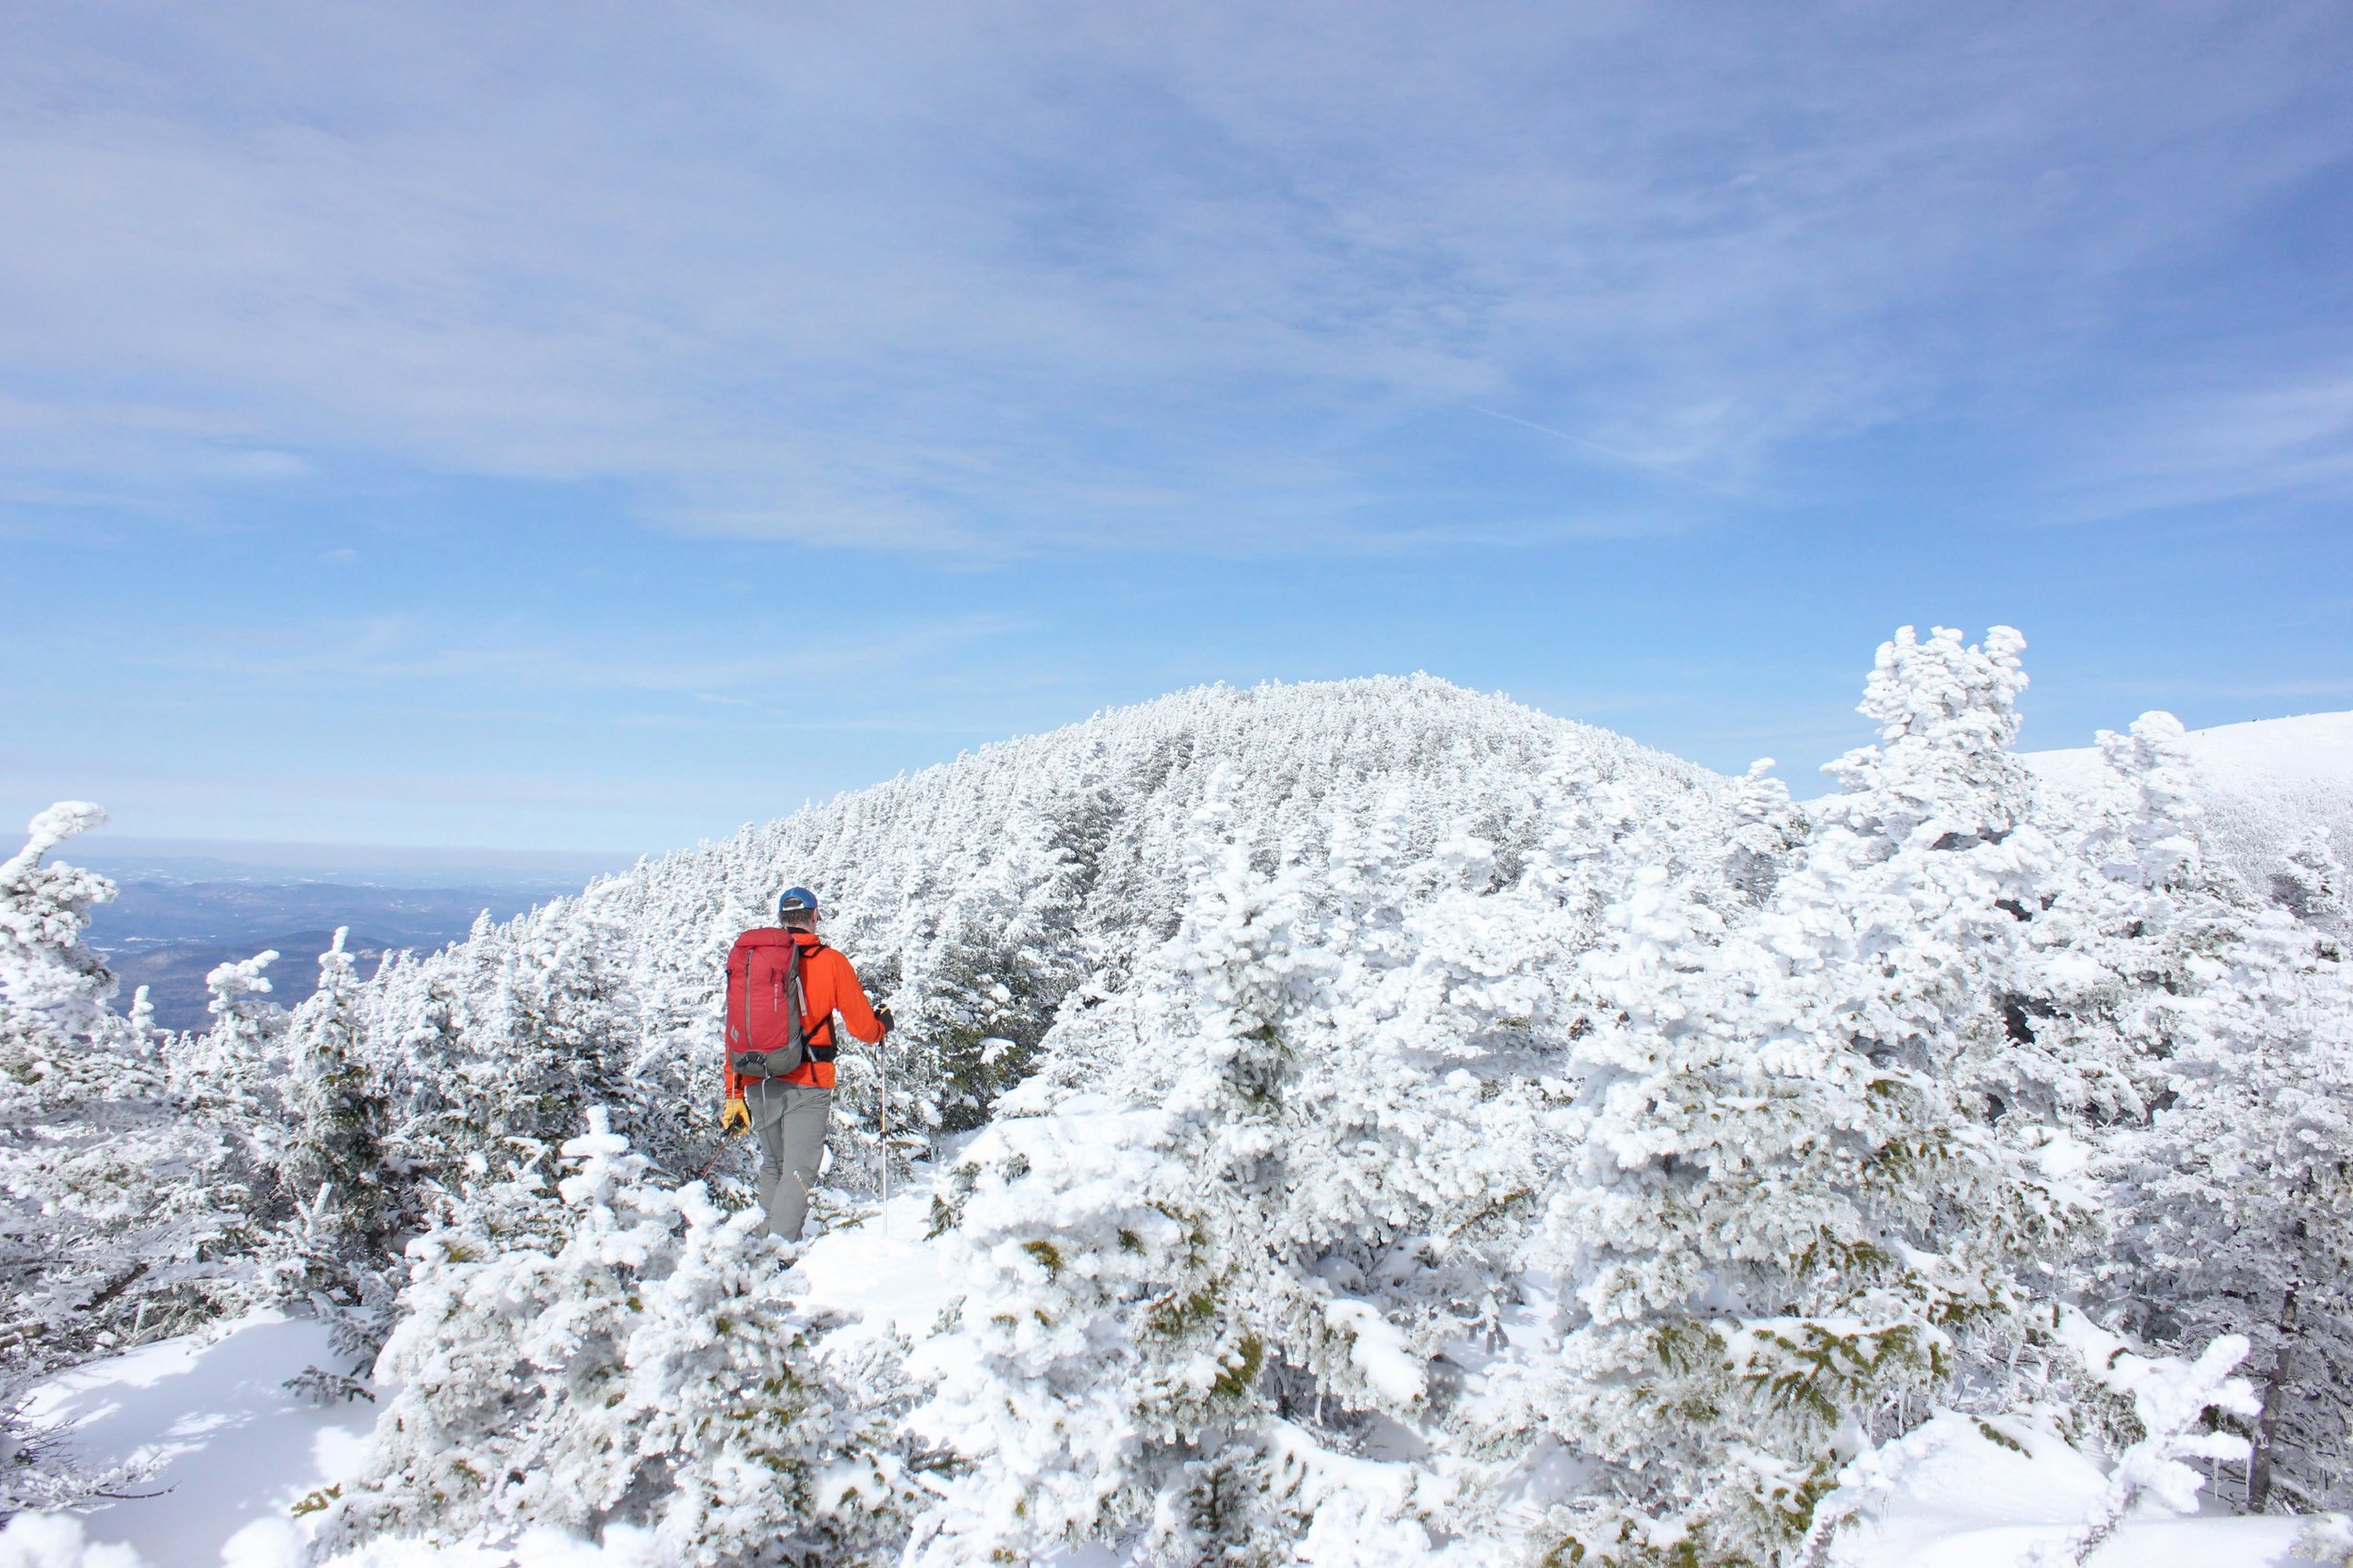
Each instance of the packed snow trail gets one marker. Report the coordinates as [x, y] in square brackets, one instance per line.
[878, 1267]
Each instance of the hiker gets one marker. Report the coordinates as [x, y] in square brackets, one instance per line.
[780, 1058]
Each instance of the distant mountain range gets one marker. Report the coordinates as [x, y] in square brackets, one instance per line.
[179, 916]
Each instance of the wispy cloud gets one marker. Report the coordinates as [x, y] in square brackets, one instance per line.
[418, 653]
[2291, 437]
[2331, 689]
[1647, 465]
[960, 280]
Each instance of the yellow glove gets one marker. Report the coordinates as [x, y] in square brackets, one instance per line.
[734, 1117]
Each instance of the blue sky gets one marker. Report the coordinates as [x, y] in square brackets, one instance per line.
[593, 428]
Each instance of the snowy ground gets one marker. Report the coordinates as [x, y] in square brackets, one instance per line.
[236, 1450]
[1978, 1504]
[232, 1446]
[879, 1267]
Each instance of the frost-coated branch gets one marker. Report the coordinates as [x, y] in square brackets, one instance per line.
[2173, 1400]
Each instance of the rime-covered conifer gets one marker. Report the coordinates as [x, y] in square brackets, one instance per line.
[2234, 1205]
[1191, 1280]
[2310, 885]
[236, 1068]
[1786, 1223]
[109, 1222]
[336, 1142]
[616, 1351]
[1111, 1308]
[343, 1193]
[1765, 825]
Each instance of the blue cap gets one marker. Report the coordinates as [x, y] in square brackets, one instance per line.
[796, 901]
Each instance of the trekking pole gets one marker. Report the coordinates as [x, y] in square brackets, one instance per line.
[712, 1164]
[884, 1049]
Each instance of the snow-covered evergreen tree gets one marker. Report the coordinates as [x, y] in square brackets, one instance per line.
[2148, 837]
[2235, 1204]
[618, 1351]
[1116, 1333]
[110, 1232]
[556, 1037]
[1193, 1280]
[336, 1142]
[2176, 1405]
[428, 1029]
[342, 1197]
[2310, 885]
[1791, 1221]
[51, 982]
[2219, 1026]
[236, 1068]
[2120, 933]
[1765, 825]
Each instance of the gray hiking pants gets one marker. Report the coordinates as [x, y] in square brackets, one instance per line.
[791, 1121]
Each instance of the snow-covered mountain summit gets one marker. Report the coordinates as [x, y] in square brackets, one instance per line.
[978, 895]
[1104, 800]
[993, 896]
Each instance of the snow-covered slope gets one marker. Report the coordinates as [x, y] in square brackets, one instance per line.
[2266, 786]
[224, 1446]
[2310, 748]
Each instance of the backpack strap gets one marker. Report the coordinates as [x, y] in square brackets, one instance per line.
[796, 1007]
[810, 1051]
[747, 1001]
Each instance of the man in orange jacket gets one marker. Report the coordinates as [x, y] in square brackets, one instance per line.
[784, 987]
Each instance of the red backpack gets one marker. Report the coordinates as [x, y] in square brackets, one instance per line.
[767, 1011]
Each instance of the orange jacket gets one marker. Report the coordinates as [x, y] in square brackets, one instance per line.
[828, 985]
